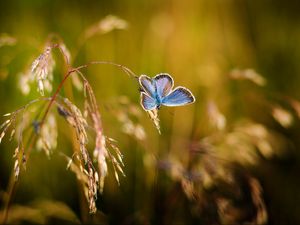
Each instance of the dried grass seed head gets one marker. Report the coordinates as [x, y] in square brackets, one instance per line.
[42, 70]
[47, 140]
[24, 82]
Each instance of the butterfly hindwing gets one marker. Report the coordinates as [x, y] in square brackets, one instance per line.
[178, 97]
[164, 84]
[147, 102]
[147, 85]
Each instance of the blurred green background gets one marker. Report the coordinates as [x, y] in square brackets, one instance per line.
[201, 43]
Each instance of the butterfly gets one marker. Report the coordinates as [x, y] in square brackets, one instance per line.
[157, 91]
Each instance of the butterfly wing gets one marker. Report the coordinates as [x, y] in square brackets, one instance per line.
[178, 97]
[147, 85]
[164, 84]
[147, 102]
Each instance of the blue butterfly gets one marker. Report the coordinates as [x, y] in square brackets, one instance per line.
[158, 91]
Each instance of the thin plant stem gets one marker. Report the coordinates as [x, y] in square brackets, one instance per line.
[11, 189]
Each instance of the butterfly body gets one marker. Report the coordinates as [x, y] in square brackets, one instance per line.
[157, 91]
[156, 96]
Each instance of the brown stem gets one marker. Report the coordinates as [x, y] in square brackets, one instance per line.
[11, 188]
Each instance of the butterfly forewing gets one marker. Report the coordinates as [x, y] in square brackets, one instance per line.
[147, 85]
[178, 97]
[147, 102]
[164, 84]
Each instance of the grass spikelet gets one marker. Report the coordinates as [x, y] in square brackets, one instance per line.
[24, 82]
[92, 191]
[75, 169]
[79, 123]
[16, 153]
[12, 133]
[282, 116]
[1, 136]
[89, 180]
[257, 198]
[216, 118]
[7, 40]
[6, 123]
[116, 149]
[108, 24]
[5, 127]
[128, 114]
[16, 169]
[100, 151]
[42, 69]
[248, 74]
[100, 155]
[153, 114]
[47, 140]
